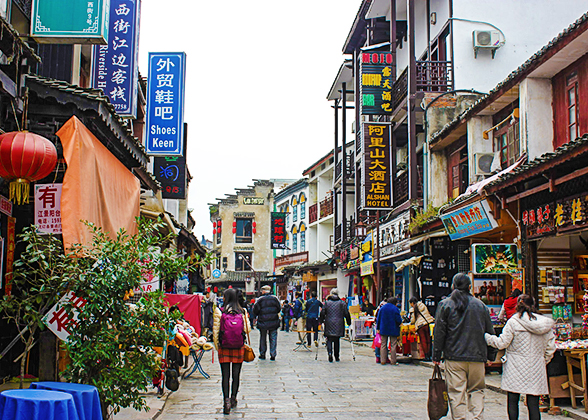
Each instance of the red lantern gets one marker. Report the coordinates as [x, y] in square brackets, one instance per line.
[254, 224]
[234, 230]
[220, 222]
[215, 289]
[214, 231]
[254, 230]
[213, 224]
[25, 157]
[218, 229]
[234, 224]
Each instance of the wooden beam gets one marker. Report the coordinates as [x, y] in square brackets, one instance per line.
[548, 185]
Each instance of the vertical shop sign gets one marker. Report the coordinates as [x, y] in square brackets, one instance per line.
[170, 171]
[70, 21]
[114, 65]
[376, 188]
[10, 231]
[165, 104]
[376, 83]
[5, 206]
[278, 234]
[48, 208]
[61, 321]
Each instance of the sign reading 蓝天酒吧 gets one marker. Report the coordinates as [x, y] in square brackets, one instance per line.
[114, 65]
[165, 104]
[70, 21]
[376, 83]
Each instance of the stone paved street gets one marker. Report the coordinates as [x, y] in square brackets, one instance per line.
[297, 386]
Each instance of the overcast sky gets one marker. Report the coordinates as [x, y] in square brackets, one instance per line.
[258, 73]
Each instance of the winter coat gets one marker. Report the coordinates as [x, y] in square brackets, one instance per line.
[460, 336]
[267, 310]
[389, 320]
[313, 307]
[423, 317]
[529, 345]
[298, 310]
[216, 326]
[334, 315]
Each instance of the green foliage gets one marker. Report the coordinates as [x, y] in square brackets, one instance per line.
[422, 217]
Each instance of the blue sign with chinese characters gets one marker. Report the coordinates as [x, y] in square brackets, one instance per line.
[165, 104]
[469, 220]
[114, 65]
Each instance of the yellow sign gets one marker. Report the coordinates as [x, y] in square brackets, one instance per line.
[367, 268]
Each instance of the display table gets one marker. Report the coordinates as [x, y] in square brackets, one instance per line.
[197, 357]
[361, 327]
[577, 358]
[85, 397]
[37, 404]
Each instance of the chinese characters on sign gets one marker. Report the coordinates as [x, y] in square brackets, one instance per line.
[394, 238]
[165, 104]
[278, 233]
[48, 208]
[538, 221]
[567, 214]
[5, 206]
[376, 83]
[10, 245]
[469, 220]
[170, 171]
[376, 191]
[59, 321]
[114, 65]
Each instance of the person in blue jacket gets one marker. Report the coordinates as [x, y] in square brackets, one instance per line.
[388, 326]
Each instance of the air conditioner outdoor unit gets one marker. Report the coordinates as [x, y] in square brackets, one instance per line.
[483, 163]
[486, 40]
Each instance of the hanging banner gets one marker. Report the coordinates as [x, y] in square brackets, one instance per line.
[278, 233]
[114, 65]
[70, 21]
[48, 208]
[376, 188]
[10, 245]
[469, 220]
[165, 104]
[376, 83]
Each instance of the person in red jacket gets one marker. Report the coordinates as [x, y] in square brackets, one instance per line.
[509, 307]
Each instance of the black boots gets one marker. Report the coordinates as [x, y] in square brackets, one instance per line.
[331, 358]
[227, 406]
[233, 402]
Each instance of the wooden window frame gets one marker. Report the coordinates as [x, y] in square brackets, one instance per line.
[510, 151]
[243, 238]
[241, 265]
[572, 84]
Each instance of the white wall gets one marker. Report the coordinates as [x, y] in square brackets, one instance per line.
[312, 243]
[476, 143]
[536, 117]
[527, 24]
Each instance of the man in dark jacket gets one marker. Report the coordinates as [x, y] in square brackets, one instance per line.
[460, 324]
[266, 310]
[299, 316]
[388, 326]
[313, 307]
[334, 315]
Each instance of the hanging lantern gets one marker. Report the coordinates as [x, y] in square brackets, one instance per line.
[254, 227]
[214, 231]
[213, 224]
[234, 224]
[218, 229]
[234, 230]
[254, 224]
[25, 157]
[220, 222]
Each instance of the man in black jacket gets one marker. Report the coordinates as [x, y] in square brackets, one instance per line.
[266, 310]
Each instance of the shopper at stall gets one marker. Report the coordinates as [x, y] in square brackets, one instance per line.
[509, 306]
[266, 310]
[461, 321]
[530, 344]
[231, 323]
[422, 319]
[388, 326]
[313, 308]
[368, 307]
[334, 315]
[299, 314]
[286, 308]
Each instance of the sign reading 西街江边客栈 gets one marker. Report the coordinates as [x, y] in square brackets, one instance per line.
[114, 65]
[70, 21]
[165, 104]
[469, 220]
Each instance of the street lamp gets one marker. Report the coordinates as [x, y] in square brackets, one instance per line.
[360, 230]
[255, 276]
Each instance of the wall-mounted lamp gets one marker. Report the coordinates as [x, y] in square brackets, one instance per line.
[433, 18]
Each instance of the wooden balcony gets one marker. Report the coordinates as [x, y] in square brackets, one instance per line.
[326, 207]
[400, 189]
[431, 76]
[313, 213]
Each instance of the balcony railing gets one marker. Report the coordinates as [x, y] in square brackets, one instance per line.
[313, 213]
[400, 189]
[349, 167]
[431, 76]
[326, 207]
[347, 225]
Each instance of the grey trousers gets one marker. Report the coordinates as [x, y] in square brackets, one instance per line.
[384, 349]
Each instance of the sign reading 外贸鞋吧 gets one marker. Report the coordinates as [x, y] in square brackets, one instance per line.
[376, 188]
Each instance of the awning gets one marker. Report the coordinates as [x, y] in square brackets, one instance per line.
[405, 263]
[418, 239]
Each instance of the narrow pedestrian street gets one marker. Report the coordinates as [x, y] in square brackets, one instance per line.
[298, 386]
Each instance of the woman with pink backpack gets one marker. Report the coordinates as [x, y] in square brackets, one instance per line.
[231, 324]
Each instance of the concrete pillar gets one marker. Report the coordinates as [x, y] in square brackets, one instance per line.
[536, 117]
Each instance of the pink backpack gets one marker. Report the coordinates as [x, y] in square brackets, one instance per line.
[232, 331]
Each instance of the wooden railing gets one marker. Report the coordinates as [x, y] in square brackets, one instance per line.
[326, 207]
[400, 189]
[431, 76]
[313, 213]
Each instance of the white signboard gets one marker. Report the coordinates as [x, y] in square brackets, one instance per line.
[48, 208]
[149, 282]
[61, 322]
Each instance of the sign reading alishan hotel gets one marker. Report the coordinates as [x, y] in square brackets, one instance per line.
[376, 189]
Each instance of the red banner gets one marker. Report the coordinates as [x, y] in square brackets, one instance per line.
[10, 232]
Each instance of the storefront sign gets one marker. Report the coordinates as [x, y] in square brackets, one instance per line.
[561, 216]
[10, 245]
[256, 201]
[59, 320]
[5, 206]
[367, 268]
[278, 233]
[354, 253]
[48, 208]
[170, 171]
[298, 258]
[539, 220]
[366, 260]
[165, 104]
[114, 65]
[469, 220]
[394, 238]
[376, 188]
[353, 264]
[376, 83]
[70, 21]
[494, 258]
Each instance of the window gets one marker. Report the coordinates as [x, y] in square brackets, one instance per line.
[294, 242]
[302, 241]
[458, 168]
[572, 105]
[218, 236]
[287, 240]
[244, 233]
[302, 206]
[294, 213]
[507, 143]
[243, 261]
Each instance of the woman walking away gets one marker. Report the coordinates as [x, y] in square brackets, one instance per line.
[529, 342]
[421, 318]
[509, 306]
[231, 323]
[334, 315]
[461, 323]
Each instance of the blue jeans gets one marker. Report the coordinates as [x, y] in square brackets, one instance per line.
[273, 339]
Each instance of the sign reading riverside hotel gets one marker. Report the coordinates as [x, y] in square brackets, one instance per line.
[469, 220]
[70, 21]
[376, 83]
[114, 65]
[376, 189]
[165, 104]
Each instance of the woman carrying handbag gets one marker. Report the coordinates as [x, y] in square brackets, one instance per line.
[421, 318]
[231, 324]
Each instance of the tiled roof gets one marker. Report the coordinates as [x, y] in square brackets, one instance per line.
[19, 46]
[513, 78]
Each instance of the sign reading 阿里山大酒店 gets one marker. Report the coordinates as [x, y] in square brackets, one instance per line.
[114, 65]
[376, 189]
[469, 220]
[165, 104]
[70, 21]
